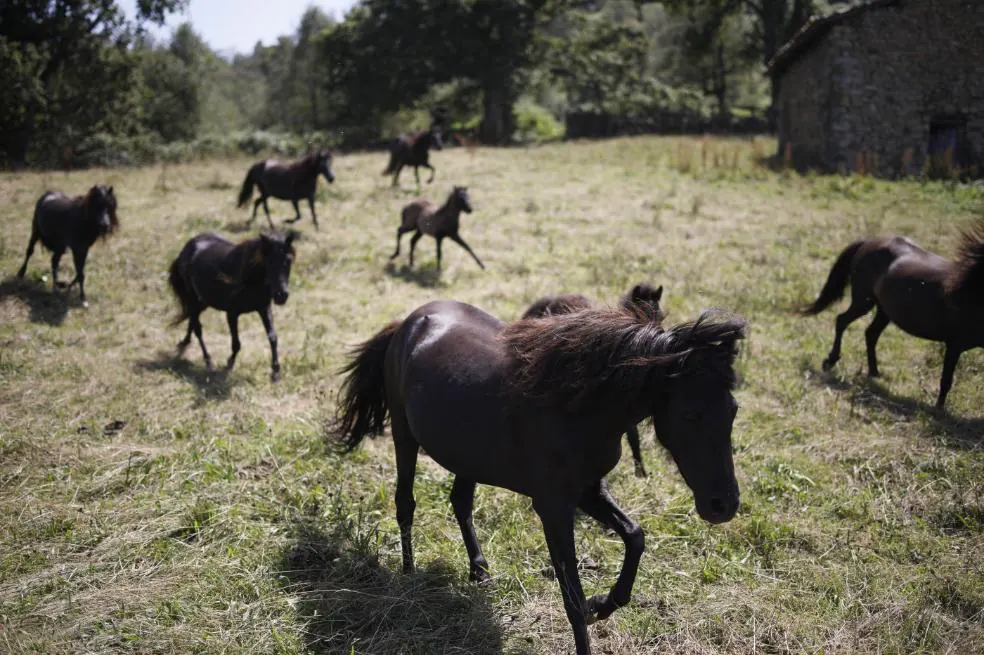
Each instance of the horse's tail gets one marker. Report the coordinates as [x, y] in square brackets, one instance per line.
[362, 410]
[837, 281]
[251, 179]
[393, 163]
[180, 289]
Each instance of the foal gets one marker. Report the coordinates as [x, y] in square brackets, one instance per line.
[211, 271]
[61, 222]
[567, 303]
[292, 182]
[424, 217]
[924, 294]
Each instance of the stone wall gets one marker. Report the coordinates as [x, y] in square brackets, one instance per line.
[891, 72]
[803, 101]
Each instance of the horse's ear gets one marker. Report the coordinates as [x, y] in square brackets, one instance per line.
[110, 190]
[659, 293]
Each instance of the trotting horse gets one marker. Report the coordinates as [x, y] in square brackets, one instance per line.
[539, 407]
[575, 302]
[924, 294]
[61, 222]
[292, 182]
[211, 271]
[413, 150]
[424, 217]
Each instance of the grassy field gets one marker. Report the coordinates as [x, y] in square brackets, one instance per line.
[212, 519]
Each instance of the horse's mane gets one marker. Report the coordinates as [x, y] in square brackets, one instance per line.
[89, 198]
[968, 270]
[252, 262]
[598, 356]
[310, 160]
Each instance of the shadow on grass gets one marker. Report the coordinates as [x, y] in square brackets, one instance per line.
[349, 603]
[954, 431]
[241, 227]
[428, 277]
[46, 306]
[213, 385]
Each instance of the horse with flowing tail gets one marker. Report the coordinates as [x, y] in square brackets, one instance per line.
[575, 302]
[211, 271]
[61, 222]
[539, 407]
[414, 150]
[293, 182]
[924, 294]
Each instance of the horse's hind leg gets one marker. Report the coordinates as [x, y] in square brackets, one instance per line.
[871, 336]
[233, 319]
[256, 205]
[79, 257]
[413, 244]
[462, 500]
[433, 172]
[406, 448]
[396, 175]
[416, 175]
[950, 360]
[266, 207]
[297, 211]
[55, 261]
[30, 251]
[400, 231]
[598, 504]
[859, 307]
[195, 325]
[632, 436]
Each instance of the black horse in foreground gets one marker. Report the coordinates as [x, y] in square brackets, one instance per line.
[574, 302]
[213, 272]
[539, 407]
[292, 182]
[61, 222]
[413, 150]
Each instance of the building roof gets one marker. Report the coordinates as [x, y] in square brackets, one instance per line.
[814, 30]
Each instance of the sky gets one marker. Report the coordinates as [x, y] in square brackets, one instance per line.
[236, 25]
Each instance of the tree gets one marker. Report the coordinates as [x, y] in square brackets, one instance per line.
[68, 61]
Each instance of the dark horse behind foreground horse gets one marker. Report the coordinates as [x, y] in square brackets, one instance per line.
[424, 217]
[413, 150]
[213, 272]
[61, 222]
[292, 182]
[922, 293]
[539, 407]
[575, 302]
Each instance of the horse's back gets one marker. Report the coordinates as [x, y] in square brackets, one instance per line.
[54, 216]
[414, 211]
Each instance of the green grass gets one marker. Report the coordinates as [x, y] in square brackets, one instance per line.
[215, 521]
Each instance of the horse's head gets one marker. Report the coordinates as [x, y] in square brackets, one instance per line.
[324, 160]
[278, 256]
[100, 206]
[694, 414]
[645, 297]
[460, 198]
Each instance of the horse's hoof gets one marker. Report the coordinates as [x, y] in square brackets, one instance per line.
[827, 364]
[275, 377]
[641, 472]
[85, 304]
[480, 576]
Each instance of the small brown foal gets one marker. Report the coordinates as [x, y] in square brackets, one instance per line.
[424, 217]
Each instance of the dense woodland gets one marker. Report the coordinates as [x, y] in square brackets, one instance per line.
[83, 85]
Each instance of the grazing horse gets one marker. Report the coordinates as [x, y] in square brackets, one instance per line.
[292, 182]
[413, 150]
[61, 222]
[575, 302]
[539, 407]
[213, 272]
[424, 217]
[924, 294]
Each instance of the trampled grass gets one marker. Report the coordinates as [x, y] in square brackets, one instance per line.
[213, 520]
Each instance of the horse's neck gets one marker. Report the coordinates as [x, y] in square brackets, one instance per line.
[449, 212]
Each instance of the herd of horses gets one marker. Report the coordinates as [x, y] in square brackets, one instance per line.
[537, 405]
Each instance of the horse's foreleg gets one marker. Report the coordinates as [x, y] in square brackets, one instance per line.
[413, 244]
[632, 436]
[406, 448]
[30, 251]
[55, 260]
[233, 319]
[871, 336]
[461, 242]
[399, 234]
[314, 216]
[558, 527]
[195, 324]
[462, 500]
[266, 209]
[79, 257]
[598, 504]
[267, 316]
[433, 173]
[396, 175]
[256, 205]
[416, 175]
[297, 212]
[950, 359]
[439, 240]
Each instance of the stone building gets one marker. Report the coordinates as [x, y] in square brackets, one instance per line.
[888, 87]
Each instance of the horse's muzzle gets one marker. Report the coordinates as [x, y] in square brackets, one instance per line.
[280, 297]
[719, 508]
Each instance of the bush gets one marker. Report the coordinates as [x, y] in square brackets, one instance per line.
[534, 123]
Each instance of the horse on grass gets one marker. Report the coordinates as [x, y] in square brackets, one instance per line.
[424, 217]
[924, 294]
[238, 279]
[539, 407]
[292, 182]
[413, 150]
[575, 302]
[61, 222]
